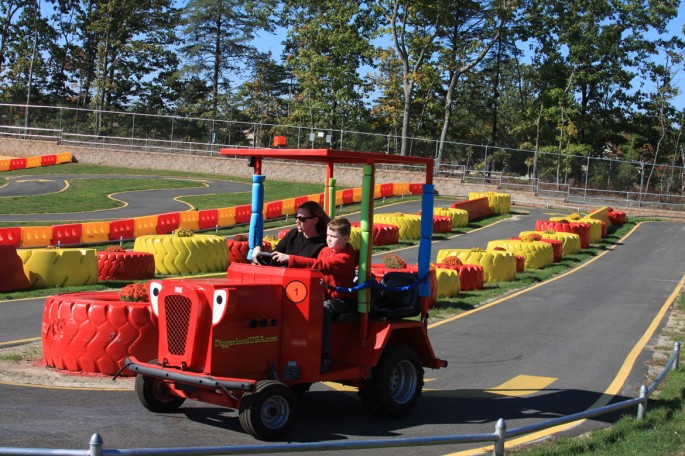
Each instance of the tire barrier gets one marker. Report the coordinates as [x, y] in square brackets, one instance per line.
[238, 250]
[379, 270]
[95, 332]
[537, 254]
[470, 275]
[125, 265]
[447, 282]
[520, 264]
[460, 217]
[12, 276]
[555, 243]
[383, 233]
[47, 268]
[498, 266]
[500, 203]
[564, 226]
[176, 255]
[600, 214]
[409, 225]
[477, 208]
[442, 224]
[597, 229]
[570, 242]
[617, 218]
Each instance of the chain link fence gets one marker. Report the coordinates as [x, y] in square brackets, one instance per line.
[575, 178]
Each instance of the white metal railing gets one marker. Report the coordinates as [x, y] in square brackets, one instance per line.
[498, 437]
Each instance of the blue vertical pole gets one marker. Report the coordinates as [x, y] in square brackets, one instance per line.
[257, 218]
[426, 237]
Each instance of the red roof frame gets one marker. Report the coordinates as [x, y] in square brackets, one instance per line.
[332, 156]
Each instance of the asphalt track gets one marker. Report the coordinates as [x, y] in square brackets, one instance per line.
[564, 346]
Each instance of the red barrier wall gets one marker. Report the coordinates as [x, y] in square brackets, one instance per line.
[166, 223]
[273, 209]
[208, 218]
[17, 163]
[119, 229]
[416, 189]
[10, 236]
[66, 234]
[388, 189]
[243, 213]
[477, 208]
[299, 200]
[48, 160]
[348, 196]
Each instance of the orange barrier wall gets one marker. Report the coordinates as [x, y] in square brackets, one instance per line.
[66, 234]
[226, 216]
[189, 220]
[477, 208]
[10, 236]
[63, 157]
[94, 232]
[33, 162]
[144, 225]
[35, 236]
[401, 189]
[5, 164]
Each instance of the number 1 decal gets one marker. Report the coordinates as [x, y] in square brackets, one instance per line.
[296, 291]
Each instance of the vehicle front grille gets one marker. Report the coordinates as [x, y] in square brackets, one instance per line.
[178, 319]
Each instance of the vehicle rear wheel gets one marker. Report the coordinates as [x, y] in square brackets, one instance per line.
[269, 412]
[395, 384]
[154, 394]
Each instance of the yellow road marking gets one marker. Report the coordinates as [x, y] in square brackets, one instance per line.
[522, 385]
[33, 180]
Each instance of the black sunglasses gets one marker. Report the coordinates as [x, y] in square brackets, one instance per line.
[302, 218]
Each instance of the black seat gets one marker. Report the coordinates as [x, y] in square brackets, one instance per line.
[390, 304]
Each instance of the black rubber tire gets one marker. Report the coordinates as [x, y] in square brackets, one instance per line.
[154, 395]
[395, 384]
[269, 412]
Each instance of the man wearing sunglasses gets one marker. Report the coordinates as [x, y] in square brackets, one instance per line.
[307, 238]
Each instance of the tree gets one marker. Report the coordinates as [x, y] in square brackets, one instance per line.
[327, 45]
[218, 38]
[473, 29]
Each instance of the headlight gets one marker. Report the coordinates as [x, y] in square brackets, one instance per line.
[155, 289]
[219, 305]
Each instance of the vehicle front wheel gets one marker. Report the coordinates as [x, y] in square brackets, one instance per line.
[395, 384]
[155, 395]
[269, 412]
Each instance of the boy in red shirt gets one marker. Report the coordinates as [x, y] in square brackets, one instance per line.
[337, 262]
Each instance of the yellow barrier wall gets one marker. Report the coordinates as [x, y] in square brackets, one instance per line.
[35, 236]
[95, 232]
[48, 268]
[601, 214]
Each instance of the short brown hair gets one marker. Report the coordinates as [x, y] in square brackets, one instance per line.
[341, 225]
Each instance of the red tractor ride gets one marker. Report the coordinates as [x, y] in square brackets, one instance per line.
[252, 341]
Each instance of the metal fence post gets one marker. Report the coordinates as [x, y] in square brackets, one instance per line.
[676, 356]
[642, 406]
[501, 433]
[96, 443]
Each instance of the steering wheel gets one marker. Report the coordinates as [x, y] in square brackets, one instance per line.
[265, 259]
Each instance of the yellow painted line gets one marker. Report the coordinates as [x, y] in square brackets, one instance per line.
[34, 180]
[71, 388]
[19, 341]
[618, 381]
[522, 385]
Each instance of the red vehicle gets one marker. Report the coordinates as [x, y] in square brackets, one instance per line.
[252, 341]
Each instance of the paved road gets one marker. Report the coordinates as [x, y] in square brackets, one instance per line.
[134, 204]
[572, 338]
